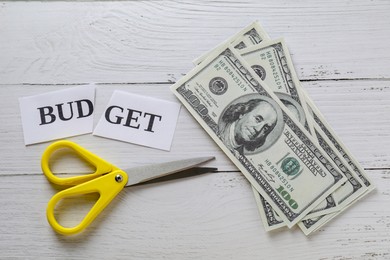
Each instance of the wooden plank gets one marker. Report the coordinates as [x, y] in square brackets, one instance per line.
[340, 50]
[155, 41]
[206, 217]
[357, 110]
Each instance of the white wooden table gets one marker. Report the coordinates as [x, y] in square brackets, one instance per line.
[341, 50]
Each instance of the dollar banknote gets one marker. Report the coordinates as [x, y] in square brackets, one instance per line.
[262, 137]
[272, 62]
[281, 76]
[250, 35]
[272, 59]
[358, 183]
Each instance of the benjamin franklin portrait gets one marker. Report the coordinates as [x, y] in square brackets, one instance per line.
[250, 124]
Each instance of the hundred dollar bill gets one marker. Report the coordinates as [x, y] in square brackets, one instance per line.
[272, 62]
[259, 134]
[251, 35]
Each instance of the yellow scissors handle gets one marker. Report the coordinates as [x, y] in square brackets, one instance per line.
[107, 180]
[108, 186]
[100, 165]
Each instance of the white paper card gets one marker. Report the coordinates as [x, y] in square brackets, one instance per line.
[57, 114]
[139, 119]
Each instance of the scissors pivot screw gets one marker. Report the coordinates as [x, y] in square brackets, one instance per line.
[119, 178]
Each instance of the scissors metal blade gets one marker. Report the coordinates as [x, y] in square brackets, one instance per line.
[196, 171]
[149, 172]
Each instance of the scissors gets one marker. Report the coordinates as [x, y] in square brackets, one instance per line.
[107, 180]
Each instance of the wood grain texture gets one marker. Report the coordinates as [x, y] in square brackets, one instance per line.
[155, 41]
[341, 53]
[206, 217]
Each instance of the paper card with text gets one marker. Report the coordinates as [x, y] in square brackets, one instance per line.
[139, 119]
[57, 114]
